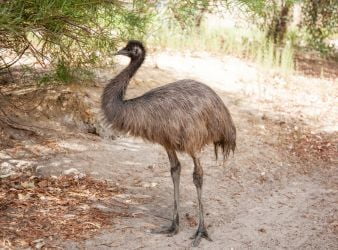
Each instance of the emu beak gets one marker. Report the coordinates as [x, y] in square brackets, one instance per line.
[122, 52]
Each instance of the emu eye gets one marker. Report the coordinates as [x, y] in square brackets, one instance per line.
[136, 50]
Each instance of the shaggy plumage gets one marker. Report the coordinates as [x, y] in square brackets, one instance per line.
[182, 116]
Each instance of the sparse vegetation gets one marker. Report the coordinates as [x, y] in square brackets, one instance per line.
[241, 42]
[70, 35]
[65, 74]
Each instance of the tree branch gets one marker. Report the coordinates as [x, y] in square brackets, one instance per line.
[7, 65]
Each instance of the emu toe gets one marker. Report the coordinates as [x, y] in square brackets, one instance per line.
[200, 233]
[169, 231]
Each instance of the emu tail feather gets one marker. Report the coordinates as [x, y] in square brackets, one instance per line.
[226, 146]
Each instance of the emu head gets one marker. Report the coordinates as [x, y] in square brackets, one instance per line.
[134, 49]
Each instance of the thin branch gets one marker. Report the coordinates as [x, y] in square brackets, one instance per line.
[7, 65]
[36, 53]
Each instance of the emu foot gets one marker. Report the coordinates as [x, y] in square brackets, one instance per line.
[169, 231]
[200, 233]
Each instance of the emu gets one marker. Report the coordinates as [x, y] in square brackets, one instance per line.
[182, 116]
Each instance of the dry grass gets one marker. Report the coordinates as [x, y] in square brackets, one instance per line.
[246, 43]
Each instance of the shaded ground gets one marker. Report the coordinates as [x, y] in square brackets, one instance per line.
[271, 194]
[36, 209]
[316, 66]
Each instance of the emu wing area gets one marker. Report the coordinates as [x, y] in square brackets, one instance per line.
[183, 116]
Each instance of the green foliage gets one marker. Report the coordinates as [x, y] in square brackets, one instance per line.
[321, 22]
[72, 34]
[65, 74]
[188, 12]
[72, 31]
[272, 16]
[319, 19]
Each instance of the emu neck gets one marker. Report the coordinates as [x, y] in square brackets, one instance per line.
[118, 85]
[114, 92]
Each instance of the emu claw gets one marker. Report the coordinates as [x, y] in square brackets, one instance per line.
[170, 231]
[198, 236]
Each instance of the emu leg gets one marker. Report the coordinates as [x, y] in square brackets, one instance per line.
[175, 170]
[198, 181]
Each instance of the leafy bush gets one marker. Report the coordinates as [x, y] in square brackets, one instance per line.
[75, 32]
[321, 22]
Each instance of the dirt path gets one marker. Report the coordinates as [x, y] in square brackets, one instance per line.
[262, 198]
[258, 201]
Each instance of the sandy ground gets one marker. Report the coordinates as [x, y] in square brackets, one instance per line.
[263, 198]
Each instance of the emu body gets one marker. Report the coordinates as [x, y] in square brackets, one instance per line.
[182, 116]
